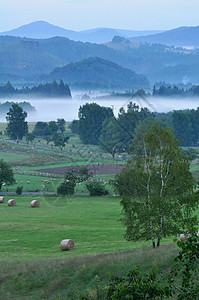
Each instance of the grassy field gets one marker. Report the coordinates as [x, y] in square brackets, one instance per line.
[32, 264]
[93, 223]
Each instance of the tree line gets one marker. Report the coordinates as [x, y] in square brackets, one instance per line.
[97, 125]
[52, 89]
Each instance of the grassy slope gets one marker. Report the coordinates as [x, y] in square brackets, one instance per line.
[32, 264]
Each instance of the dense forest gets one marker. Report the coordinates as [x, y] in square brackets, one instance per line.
[53, 89]
[98, 73]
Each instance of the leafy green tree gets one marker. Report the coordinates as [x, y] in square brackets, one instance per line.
[60, 141]
[53, 127]
[157, 188]
[17, 127]
[118, 132]
[91, 117]
[6, 174]
[183, 128]
[74, 126]
[61, 125]
[41, 129]
[30, 137]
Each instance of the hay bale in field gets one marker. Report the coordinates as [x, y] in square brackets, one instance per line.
[35, 203]
[67, 245]
[12, 202]
[1, 199]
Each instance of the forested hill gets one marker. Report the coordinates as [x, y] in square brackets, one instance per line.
[98, 73]
[24, 60]
[26, 57]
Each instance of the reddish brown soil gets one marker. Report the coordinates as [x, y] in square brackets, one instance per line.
[98, 169]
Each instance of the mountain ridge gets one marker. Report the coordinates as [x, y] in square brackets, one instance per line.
[43, 29]
[185, 36]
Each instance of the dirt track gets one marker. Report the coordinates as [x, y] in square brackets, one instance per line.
[97, 169]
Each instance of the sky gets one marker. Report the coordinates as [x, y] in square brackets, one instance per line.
[87, 14]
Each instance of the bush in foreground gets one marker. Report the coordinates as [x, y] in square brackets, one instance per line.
[181, 283]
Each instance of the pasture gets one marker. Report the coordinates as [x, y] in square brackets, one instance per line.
[31, 262]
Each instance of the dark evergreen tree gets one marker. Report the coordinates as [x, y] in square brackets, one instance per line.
[17, 127]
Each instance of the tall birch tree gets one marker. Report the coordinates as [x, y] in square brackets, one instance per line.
[157, 187]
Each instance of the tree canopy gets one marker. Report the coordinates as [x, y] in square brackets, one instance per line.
[157, 188]
[91, 117]
[118, 132]
[6, 174]
[17, 127]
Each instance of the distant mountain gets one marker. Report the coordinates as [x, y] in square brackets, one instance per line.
[39, 29]
[98, 73]
[25, 61]
[181, 37]
[43, 30]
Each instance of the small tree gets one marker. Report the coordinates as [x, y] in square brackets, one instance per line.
[157, 188]
[60, 141]
[30, 137]
[74, 126]
[17, 127]
[6, 174]
[19, 190]
[61, 125]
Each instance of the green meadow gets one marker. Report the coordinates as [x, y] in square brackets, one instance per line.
[32, 265]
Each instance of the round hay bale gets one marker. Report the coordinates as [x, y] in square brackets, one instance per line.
[12, 202]
[67, 245]
[1, 199]
[35, 203]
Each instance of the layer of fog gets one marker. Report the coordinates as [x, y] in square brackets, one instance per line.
[53, 108]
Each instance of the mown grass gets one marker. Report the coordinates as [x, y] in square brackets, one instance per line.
[32, 266]
[93, 223]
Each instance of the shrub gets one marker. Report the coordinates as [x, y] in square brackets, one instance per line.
[67, 187]
[19, 190]
[96, 188]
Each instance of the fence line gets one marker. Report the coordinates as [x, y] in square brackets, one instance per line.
[42, 174]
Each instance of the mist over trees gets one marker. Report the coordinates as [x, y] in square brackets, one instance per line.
[53, 89]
